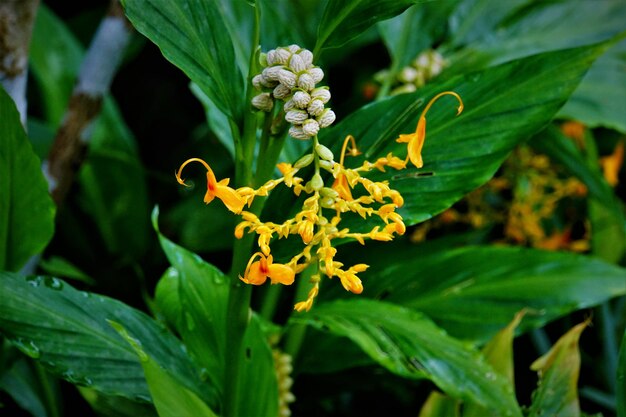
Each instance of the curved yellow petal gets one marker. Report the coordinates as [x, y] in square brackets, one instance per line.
[255, 274]
[281, 274]
[231, 199]
[417, 143]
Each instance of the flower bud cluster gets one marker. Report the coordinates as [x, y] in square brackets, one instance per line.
[424, 67]
[289, 75]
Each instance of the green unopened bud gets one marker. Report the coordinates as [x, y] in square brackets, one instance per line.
[316, 182]
[263, 59]
[304, 161]
[329, 193]
[324, 152]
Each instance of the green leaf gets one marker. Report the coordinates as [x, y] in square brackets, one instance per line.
[60, 267]
[473, 292]
[258, 386]
[344, 20]
[216, 119]
[408, 344]
[113, 406]
[557, 394]
[170, 397]
[21, 382]
[206, 300]
[621, 379]
[504, 105]
[540, 27]
[473, 20]
[193, 36]
[415, 30]
[600, 100]
[499, 354]
[203, 291]
[26, 209]
[67, 331]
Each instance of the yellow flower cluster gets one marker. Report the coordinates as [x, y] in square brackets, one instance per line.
[318, 221]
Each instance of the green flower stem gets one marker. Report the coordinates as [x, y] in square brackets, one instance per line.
[295, 334]
[238, 313]
[270, 302]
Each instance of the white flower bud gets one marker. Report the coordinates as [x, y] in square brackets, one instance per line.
[296, 132]
[327, 118]
[258, 81]
[307, 57]
[289, 105]
[327, 165]
[281, 56]
[317, 74]
[270, 58]
[321, 93]
[293, 48]
[271, 73]
[316, 107]
[310, 127]
[263, 102]
[287, 78]
[281, 92]
[296, 117]
[296, 63]
[305, 82]
[403, 89]
[323, 151]
[408, 75]
[422, 60]
[301, 99]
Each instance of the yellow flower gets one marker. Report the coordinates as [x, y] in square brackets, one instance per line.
[257, 272]
[341, 183]
[612, 164]
[231, 199]
[416, 140]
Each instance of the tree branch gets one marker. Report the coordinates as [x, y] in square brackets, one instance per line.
[97, 70]
[16, 26]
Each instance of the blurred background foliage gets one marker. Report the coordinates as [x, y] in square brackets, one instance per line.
[562, 190]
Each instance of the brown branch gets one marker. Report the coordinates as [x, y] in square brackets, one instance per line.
[98, 68]
[17, 18]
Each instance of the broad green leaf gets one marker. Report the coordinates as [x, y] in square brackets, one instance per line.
[60, 267]
[67, 331]
[439, 405]
[344, 20]
[258, 386]
[600, 100]
[499, 354]
[473, 20]
[203, 295]
[557, 394]
[541, 27]
[504, 106]
[26, 209]
[170, 397]
[193, 36]
[216, 119]
[621, 379]
[415, 30]
[473, 292]
[21, 382]
[327, 353]
[113, 406]
[408, 344]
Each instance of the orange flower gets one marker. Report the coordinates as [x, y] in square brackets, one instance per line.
[612, 164]
[416, 140]
[231, 199]
[341, 184]
[257, 272]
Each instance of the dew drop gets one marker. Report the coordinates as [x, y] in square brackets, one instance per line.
[34, 281]
[54, 283]
[28, 347]
[204, 374]
[490, 376]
